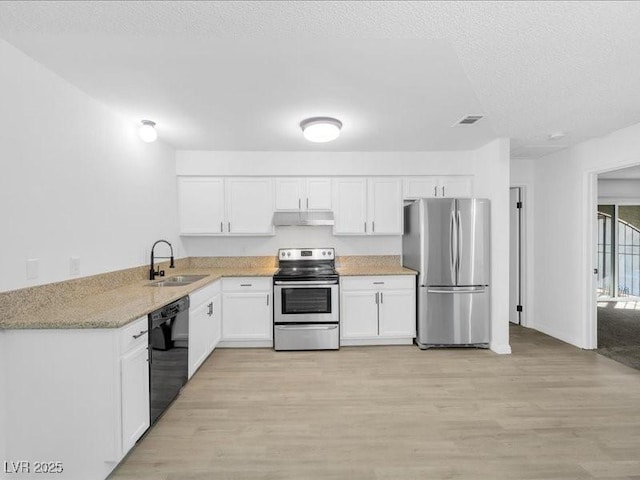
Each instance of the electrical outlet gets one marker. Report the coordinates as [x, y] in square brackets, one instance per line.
[32, 268]
[74, 266]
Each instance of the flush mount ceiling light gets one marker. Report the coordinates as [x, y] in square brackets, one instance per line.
[147, 131]
[321, 129]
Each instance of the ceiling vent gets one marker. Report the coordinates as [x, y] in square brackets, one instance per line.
[468, 120]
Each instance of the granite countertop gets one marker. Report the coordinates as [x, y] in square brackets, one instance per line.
[119, 306]
[115, 308]
[361, 270]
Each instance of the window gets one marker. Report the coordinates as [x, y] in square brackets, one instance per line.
[619, 250]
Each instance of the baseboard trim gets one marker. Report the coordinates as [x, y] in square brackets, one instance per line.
[352, 342]
[245, 344]
[500, 349]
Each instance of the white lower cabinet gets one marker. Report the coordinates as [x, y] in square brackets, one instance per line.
[81, 396]
[134, 394]
[247, 312]
[377, 310]
[205, 324]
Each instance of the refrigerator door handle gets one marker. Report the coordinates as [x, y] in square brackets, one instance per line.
[458, 243]
[453, 260]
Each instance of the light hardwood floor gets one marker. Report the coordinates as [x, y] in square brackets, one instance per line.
[548, 411]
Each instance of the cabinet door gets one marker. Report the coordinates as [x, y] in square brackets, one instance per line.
[216, 321]
[385, 206]
[198, 341]
[213, 325]
[250, 206]
[318, 194]
[420, 187]
[134, 395]
[246, 316]
[288, 194]
[201, 205]
[350, 206]
[358, 314]
[456, 187]
[397, 313]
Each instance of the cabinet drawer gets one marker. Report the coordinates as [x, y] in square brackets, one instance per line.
[134, 334]
[247, 283]
[203, 294]
[378, 282]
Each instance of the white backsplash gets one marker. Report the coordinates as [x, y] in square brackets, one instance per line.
[287, 237]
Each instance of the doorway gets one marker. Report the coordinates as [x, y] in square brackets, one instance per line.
[515, 255]
[618, 267]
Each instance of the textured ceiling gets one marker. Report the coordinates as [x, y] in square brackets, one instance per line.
[241, 75]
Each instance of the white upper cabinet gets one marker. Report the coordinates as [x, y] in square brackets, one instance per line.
[367, 206]
[385, 206]
[295, 194]
[201, 205]
[249, 206]
[350, 206]
[218, 206]
[438, 187]
[318, 194]
[288, 194]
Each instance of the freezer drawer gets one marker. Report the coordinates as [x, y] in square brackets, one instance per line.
[456, 316]
[306, 337]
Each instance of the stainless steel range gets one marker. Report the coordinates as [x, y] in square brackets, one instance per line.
[306, 300]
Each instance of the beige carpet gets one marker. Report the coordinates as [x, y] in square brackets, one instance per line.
[619, 331]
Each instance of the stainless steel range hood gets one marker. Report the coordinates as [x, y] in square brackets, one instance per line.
[304, 219]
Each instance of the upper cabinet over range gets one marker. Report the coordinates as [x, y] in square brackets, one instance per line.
[303, 194]
[225, 206]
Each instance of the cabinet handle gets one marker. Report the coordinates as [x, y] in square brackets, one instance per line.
[443, 190]
[365, 227]
[378, 283]
[373, 226]
[267, 299]
[381, 297]
[307, 203]
[377, 296]
[210, 312]
[229, 223]
[245, 284]
[140, 334]
[435, 191]
[299, 204]
[221, 227]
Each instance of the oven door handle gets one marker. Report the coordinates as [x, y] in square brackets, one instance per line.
[306, 284]
[306, 327]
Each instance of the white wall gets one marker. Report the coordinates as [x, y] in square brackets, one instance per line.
[492, 182]
[564, 219]
[76, 180]
[619, 191]
[312, 164]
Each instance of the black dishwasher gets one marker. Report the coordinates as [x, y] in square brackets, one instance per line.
[168, 354]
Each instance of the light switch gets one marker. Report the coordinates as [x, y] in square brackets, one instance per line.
[32, 268]
[74, 266]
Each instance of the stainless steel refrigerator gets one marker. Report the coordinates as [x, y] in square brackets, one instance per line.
[448, 242]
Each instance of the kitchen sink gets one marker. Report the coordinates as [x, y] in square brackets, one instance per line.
[177, 281]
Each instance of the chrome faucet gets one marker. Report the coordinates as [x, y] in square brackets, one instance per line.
[152, 272]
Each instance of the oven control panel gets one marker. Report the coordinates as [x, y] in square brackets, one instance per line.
[306, 254]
